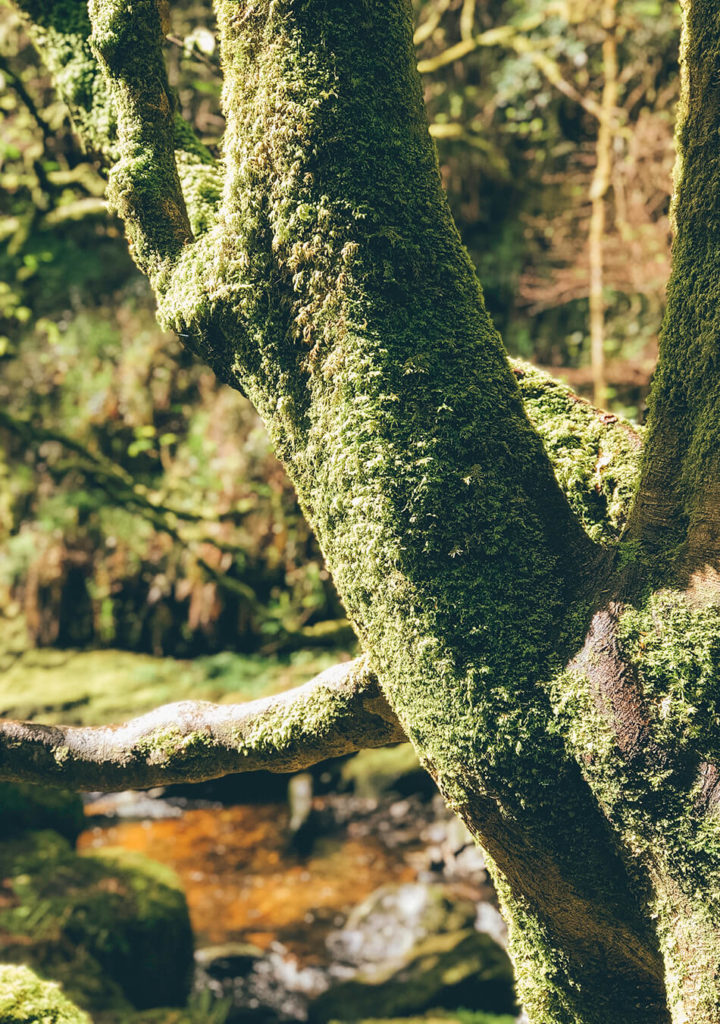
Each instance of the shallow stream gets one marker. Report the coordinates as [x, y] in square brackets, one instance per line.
[246, 881]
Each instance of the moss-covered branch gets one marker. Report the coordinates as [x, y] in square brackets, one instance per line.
[678, 507]
[595, 454]
[144, 185]
[338, 712]
[61, 33]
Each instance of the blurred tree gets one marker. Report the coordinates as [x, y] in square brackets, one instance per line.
[560, 686]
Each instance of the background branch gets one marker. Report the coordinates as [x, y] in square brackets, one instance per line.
[144, 185]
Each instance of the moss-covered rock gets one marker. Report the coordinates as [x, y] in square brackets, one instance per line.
[114, 927]
[454, 969]
[24, 806]
[26, 999]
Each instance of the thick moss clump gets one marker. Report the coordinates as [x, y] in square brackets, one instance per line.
[639, 707]
[595, 455]
[113, 927]
[24, 807]
[26, 999]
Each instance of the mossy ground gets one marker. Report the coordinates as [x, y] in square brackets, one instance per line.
[99, 687]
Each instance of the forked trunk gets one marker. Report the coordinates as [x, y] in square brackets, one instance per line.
[561, 695]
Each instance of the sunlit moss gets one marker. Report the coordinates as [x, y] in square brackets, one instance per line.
[26, 999]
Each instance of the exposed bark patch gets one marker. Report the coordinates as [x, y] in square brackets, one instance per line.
[708, 796]
[614, 686]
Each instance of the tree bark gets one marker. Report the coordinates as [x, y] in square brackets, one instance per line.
[678, 508]
[566, 708]
[338, 712]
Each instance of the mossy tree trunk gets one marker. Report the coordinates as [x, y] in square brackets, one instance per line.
[561, 692]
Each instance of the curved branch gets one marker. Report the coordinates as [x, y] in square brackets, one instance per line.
[338, 712]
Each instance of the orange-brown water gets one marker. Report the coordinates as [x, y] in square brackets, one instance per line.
[243, 883]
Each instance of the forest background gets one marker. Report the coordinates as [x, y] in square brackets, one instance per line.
[141, 506]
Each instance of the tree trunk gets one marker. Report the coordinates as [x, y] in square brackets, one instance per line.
[563, 702]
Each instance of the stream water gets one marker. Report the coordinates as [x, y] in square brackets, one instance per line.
[246, 881]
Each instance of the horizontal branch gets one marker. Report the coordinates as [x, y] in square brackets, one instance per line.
[338, 712]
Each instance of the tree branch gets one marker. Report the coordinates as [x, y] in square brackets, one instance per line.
[338, 712]
[515, 37]
[144, 185]
[61, 35]
[595, 455]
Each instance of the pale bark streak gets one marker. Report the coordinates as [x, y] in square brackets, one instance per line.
[614, 688]
[339, 712]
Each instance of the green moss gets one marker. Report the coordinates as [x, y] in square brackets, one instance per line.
[679, 493]
[102, 923]
[171, 745]
[656, 785]
[595, 455]
[26, 999]
[24, 806]
[675, 648]
[335, 291]
[313, 717]
[60, 32]
[102, 687]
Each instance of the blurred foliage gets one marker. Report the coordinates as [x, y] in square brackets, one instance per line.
[141, 504]
[97, 687]
[516, 124]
